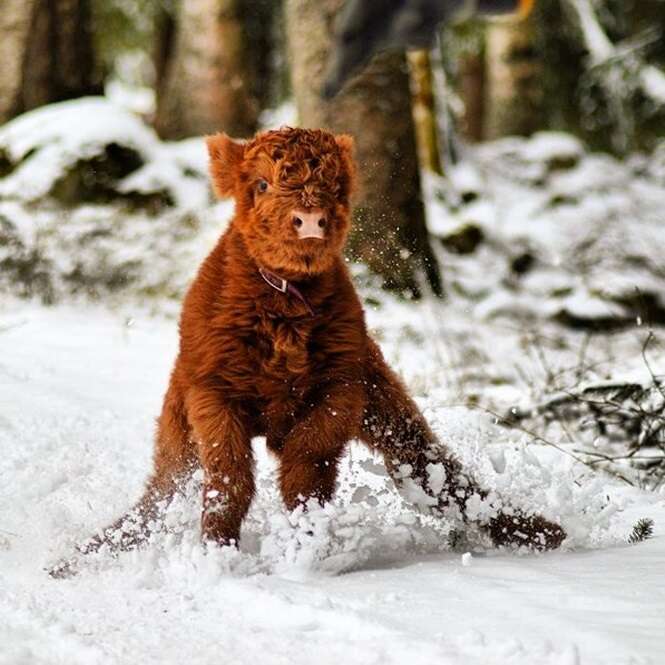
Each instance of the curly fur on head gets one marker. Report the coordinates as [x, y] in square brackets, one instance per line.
[277, 173]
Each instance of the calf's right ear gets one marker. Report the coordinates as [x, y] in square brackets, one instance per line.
[225, 158]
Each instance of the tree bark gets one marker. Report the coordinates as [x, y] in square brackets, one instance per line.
[46, 52]
[513, 79]
[463, 48]
[214, 76]
[424, 110]
[471, 91]
[389, 233]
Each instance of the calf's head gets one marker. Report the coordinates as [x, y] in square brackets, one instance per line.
[292, 190]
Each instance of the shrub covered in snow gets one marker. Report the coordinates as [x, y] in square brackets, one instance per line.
[89, 150]
[93, 204]
[565, 234]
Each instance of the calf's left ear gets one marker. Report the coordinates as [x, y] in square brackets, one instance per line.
[346, 145]
[225, 158]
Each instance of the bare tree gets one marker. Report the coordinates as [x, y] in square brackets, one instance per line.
[212, 67]
[389, 231]
[46, 52]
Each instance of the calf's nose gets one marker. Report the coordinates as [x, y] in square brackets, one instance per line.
[310, 224]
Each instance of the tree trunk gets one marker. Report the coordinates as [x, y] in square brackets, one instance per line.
[513, 79]
[463, 49]
[212, 75]
[471, 91]
[375, 108]
[424, 110]
[46, 53]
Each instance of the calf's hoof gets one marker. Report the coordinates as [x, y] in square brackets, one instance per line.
[520, 530]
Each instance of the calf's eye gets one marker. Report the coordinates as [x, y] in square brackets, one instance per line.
[262, 185]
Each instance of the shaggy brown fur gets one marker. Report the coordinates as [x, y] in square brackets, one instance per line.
[254, 361]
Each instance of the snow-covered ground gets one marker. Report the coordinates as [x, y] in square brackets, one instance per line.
[560, 240]
[78, 390]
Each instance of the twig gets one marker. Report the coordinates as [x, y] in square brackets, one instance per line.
[581, 357]
[540, 353]
[656, 381]
[538, 437]
[616, 458]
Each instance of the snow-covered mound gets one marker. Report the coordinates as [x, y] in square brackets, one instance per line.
[96, 252]
[538, 227]
[93, 205]
[90, 150]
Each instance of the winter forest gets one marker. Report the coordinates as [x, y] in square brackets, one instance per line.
[499, 168]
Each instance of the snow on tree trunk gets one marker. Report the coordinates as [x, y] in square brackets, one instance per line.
[46, 53]
[389, 227]
[208, 80]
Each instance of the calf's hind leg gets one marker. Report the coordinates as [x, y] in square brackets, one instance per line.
[173, 461]
[426, 470]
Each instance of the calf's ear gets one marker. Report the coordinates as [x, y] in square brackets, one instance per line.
[346, 145]
[225, 159]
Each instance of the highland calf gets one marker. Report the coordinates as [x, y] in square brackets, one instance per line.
[273, 342]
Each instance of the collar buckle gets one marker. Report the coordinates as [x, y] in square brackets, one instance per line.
[278, 283]
[283, 286]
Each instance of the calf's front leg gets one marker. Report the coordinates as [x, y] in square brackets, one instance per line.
[223, 437]
[312, 449]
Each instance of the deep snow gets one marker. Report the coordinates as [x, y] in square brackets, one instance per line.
[376, 584]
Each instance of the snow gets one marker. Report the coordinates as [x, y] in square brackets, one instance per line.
[374, 583]
[47, 142]
[135, 98]
[550, 146]
[598, 43]
[590, 225]
[653, 82]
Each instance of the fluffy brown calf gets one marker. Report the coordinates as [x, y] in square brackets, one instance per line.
[273, 342]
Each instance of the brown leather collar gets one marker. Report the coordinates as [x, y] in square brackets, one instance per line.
[286, 287]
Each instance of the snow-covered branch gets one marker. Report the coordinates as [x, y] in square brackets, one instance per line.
[651, 80]
[597, 42]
